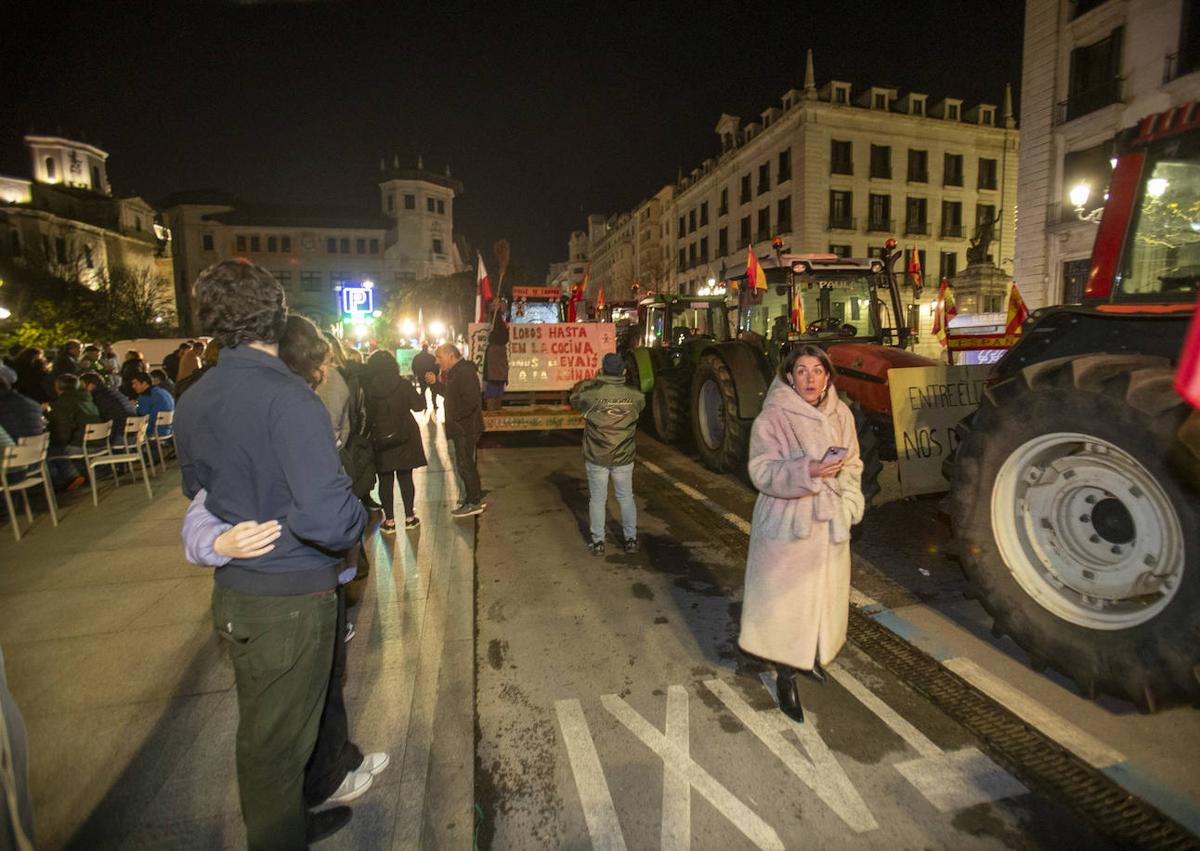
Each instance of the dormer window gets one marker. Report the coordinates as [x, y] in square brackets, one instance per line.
[841, 94]
[49, 168]
[880, 101]
[987, 117]
[918, 106]
[952, 112]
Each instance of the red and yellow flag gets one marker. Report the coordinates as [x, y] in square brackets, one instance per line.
[799, 322]
[915, 278]
[756, 278]
[600, 299]
[943, 311]
[1017, 312]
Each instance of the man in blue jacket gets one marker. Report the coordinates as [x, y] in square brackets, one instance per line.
[152, 400]
[259, 441]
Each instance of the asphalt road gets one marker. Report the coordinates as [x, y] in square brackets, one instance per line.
[614, 709]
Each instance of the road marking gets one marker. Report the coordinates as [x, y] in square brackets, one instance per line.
[1085, 746]
[677, 792]
[733, 519]
[598, 809]
[821, 772]
[898, 725]
[675, 760]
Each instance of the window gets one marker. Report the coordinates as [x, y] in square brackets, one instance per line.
[764, 224]
[360, 246]
[724, 208]
[1159, 257]
[987, 174]
[338, 279]
[441, 206]
[841, 205]
[1095, 77]
[285, 244]
[96, 184]
[744, 231]
[918, 106]
[783, 215]
[391, 202]
[60, 249]
[1075, 275]
[241, 243]
[784, 172]
[330, 245]
[692, 221]
[272, 244]
[764, 178]
[722, 242]
[137, 223]
[692, 254]
[87, 257]
[840, 250]
[429, 205]
[374, 246]
[344, 245]
[841, 157]
[880, 101]
[310, 282]
[952, 170]
[987, 117]
[682, 226]
[880, 217]
[682, 259]
[952, 112]
[1090, 167]
[255, 244]
[704, 214]
[984, 213]
[437, 245]
[50, 168]
[704, 249]
[947, 265]
[206, 242]
[916, 216]
[841, 94]
[410, 202]
[881, 161]
[951, 218]
[745, 197]
[918, 166]
[284, 278]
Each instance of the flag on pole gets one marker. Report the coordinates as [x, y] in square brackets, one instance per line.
[1017, 311]
[600, 299]
[799, 321]
[943, 311]
[915, 278]
[756, 278]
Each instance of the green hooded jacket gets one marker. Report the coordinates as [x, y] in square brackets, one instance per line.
[610, 411]
[69, 413]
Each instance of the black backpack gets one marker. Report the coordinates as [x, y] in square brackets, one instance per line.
[357, 454]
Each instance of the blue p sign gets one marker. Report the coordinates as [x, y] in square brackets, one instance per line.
[357, 300]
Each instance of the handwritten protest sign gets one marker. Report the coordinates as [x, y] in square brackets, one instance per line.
[549, 356]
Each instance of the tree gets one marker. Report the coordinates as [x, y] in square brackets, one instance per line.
[448, 298]
[138, 302]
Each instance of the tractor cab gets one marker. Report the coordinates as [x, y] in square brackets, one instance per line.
[536, 305]
[672, 321]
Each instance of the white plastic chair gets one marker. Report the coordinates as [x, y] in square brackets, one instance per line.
[28, 457]
[156, 440]
[130, 450]
[95, 445]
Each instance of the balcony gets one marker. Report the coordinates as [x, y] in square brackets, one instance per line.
[843, 223]
[881, 226]
[1089, 100]
[916, 228]
[952, 230]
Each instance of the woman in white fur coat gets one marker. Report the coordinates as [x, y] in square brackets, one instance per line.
[797, 597]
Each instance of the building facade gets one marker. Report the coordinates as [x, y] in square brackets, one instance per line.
[1090, 70]
[313, 251]
[629, 250]
[66, 220]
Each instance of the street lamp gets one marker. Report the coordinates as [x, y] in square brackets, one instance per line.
[1079, 195]
[407, 328]
[436, 328]
[5, 313]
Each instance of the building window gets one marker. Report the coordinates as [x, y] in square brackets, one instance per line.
[916, 216]
[745, 196]
[841, 94]
[947, 265]
[272, 244]
[841, 205]
[284, 278]
[764, 224]
[918, 166]
[330, 245]
[206, 242]
[987, 174]
[50, 168]
[1075, 275]
[691, 221]
[840, 250]
[441, 207]
[1095, 76]
[410, 202]
[704, 249]
[682, 226]
[374, 246]
[764, 178]
[841, 157]
[880, 218]
[744, 231]
[87, 257]
[783, 215]
[429, 205]
[96, 183]
[724, 208]
[784, 172]
[952, 112]
[952, 170]
[391, 202]
[704, 214]
[918, 106]
[241, 243]
[255, 244]
[310, 282]
[60, 249]
[951, 218]
[881, 161]
[360, 246]
[285, 244]
[344, 245]
[437, 245]
[682, 259]
[986, 117]
[722, 242]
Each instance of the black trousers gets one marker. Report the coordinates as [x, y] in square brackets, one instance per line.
[464, 462]
[408, 492]
[335, 755]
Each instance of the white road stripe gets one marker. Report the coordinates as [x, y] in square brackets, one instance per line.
[1087, 747]
[741, 816]
[677, 792]
[898, 725]
[598, 809]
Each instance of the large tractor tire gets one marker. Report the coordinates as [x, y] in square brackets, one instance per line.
[633, 377]
[1075, 531]
[668, 406]
[868, 451]
[722, 437]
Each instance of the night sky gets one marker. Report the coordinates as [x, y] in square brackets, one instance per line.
[546, 114]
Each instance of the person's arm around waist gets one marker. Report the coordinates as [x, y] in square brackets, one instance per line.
[208, 541]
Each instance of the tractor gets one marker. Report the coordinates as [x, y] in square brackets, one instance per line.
[1075, 486]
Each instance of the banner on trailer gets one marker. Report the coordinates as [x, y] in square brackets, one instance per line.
[549, 356]
[927, 403]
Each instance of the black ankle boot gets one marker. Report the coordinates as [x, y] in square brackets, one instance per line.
[817, 673]
[788, 692]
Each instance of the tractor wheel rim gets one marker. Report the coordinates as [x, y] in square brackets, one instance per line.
[1087, 531]
[711, 415]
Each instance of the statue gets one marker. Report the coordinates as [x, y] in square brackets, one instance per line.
[985, 232]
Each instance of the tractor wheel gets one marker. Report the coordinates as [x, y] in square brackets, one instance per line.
[668, 406]
[1076, 533]
[722, 437]
[633, 378]
[868, 451]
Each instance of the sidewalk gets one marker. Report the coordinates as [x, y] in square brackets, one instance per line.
[129, 701]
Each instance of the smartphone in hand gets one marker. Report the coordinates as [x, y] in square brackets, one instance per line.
[835, 453]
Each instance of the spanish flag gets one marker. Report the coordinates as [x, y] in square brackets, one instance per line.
[756, 278]
[915, 278]
[798, 320]
[943, 311]
[1017, 312]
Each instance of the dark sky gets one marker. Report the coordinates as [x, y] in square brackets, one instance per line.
[546, 112]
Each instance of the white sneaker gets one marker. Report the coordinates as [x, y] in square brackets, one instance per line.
[374, 763]
[355, 785]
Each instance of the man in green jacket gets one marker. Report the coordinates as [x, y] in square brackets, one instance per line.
[70, 412]
[610, 411]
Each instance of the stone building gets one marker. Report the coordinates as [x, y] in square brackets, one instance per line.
[1091, 69]
[65, 218]
[630, 250]
[313, 250]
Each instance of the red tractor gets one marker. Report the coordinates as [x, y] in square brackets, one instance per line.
[1075, 486]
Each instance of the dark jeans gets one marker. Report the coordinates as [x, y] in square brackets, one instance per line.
[282, 653]
[408, 492]
[335, 755]
[464, 463]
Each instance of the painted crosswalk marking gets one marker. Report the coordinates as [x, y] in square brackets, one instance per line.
[598, 809]
[677, 792]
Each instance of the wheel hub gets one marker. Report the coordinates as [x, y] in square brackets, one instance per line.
[711, 414]
[1112, 521]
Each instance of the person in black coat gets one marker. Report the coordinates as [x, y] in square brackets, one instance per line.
[459, 386]
[422, 364]
[114, 407]
[20, 416]
[394, 434]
